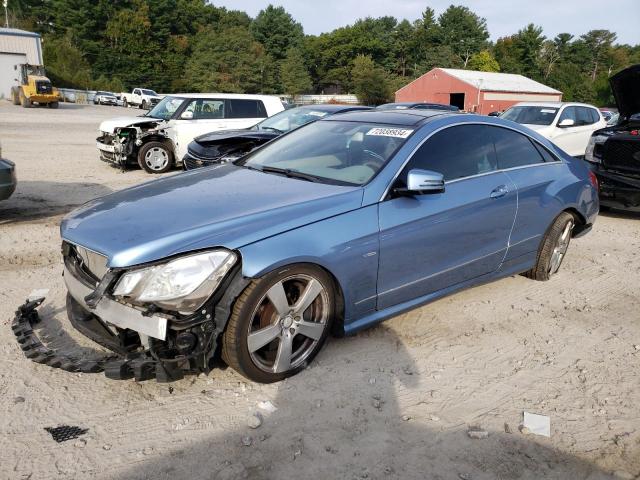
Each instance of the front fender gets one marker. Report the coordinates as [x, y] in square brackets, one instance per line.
[346, 245]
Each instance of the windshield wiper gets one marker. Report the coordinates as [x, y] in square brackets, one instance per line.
[291, 173]
[277, 130]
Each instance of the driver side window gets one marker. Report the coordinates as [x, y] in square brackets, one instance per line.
[456, 152]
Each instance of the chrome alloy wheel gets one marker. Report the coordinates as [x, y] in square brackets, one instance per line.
[561, 248]
[156, 158]
[287, 324]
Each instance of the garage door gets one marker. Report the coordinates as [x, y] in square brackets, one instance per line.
[7, 73]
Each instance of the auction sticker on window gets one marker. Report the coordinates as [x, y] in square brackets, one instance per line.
[390, 132]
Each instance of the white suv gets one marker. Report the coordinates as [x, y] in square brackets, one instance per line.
[158, 140]
[568, 125]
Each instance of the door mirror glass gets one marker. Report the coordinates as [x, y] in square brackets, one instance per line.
[567, 122]
[423, 181]
[188, 115]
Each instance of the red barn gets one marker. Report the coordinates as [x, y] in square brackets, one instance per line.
[480, 92]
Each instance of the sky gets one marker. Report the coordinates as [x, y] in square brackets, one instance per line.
[504, 17]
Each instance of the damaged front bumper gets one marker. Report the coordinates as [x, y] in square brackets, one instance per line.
[145, 345]
[618, 190]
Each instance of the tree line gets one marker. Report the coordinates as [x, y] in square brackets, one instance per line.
[192, 45]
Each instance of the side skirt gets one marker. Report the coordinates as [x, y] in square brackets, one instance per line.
[381, 315]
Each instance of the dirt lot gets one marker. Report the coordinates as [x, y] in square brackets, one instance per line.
[393, 402]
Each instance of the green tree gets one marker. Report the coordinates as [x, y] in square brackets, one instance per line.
[464, 31]
[370, 82]
[293, 73]
[598, 43]
[484, 62]
[277, 31]
[528, 43]
[66, 66]
[226, 61]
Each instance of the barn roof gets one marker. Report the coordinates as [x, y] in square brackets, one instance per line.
[17, 32]
[499, 82]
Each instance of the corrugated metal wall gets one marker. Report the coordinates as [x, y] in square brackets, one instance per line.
[15, 43]
[16, 47]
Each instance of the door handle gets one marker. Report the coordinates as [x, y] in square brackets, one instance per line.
[500, 191]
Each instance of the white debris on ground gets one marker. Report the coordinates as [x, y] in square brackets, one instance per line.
[537, 424]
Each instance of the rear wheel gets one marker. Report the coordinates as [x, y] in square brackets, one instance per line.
[279, 323]
[155, 157]
[54, 104]
[553, 248]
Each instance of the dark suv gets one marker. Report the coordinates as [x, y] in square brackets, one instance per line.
[614, 152]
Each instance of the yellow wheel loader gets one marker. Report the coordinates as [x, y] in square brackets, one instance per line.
[34, 87]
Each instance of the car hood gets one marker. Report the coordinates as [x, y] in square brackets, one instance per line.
[626, 90]
[224, 136]
[227, 206]
[109, 126]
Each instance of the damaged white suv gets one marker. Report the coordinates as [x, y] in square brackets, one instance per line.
[158, 140]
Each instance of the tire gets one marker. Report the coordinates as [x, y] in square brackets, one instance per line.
[15, 97]
[54, 104]
[144, 105]
[26, 103]
[155, 157]
[304, 330]
[553, 248]
[125, 104]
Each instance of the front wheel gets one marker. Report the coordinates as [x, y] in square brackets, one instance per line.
[155, 157]
[279, 323]
[54, 104]
[144, 105]
[15, 97]
[24, 100]
[553, 248]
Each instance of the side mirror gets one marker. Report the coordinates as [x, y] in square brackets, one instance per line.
[567, 122]
[423, 181]
[186, 115]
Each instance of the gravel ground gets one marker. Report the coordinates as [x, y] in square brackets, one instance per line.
[396, 401]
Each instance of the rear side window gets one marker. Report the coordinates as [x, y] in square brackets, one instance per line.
[245, 109]
[514, 149]
[584, 116]
[457, 152]
[595, 116]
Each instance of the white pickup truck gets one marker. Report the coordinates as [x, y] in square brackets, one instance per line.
[158, 140]
[141, 98]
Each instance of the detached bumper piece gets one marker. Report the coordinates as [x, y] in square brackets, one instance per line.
[139, 365]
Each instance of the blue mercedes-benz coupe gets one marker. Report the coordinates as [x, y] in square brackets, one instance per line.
[333, 227]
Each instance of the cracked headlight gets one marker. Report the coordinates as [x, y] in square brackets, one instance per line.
[181, 285]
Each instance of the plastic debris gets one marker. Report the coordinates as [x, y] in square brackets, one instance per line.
[267, 406]
[537, 424]
[38, 293]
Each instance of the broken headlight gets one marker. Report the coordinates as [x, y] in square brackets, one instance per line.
[181, 285]
[590, 154]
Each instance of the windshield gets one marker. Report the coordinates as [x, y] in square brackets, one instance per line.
[531, 115]
[149, 92]
[290, 119]
[166, 108]
[346, 153]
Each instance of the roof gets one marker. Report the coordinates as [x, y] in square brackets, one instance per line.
[553, 104]
[333, 107]
[421, 105]
[220, 95]
[499, 82]
[18, 33]
[389, 117]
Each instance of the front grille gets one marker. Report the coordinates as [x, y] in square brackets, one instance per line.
[44, 88]
[622, 154]
[86, 264]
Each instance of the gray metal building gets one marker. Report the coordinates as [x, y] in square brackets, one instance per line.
[16, 47]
